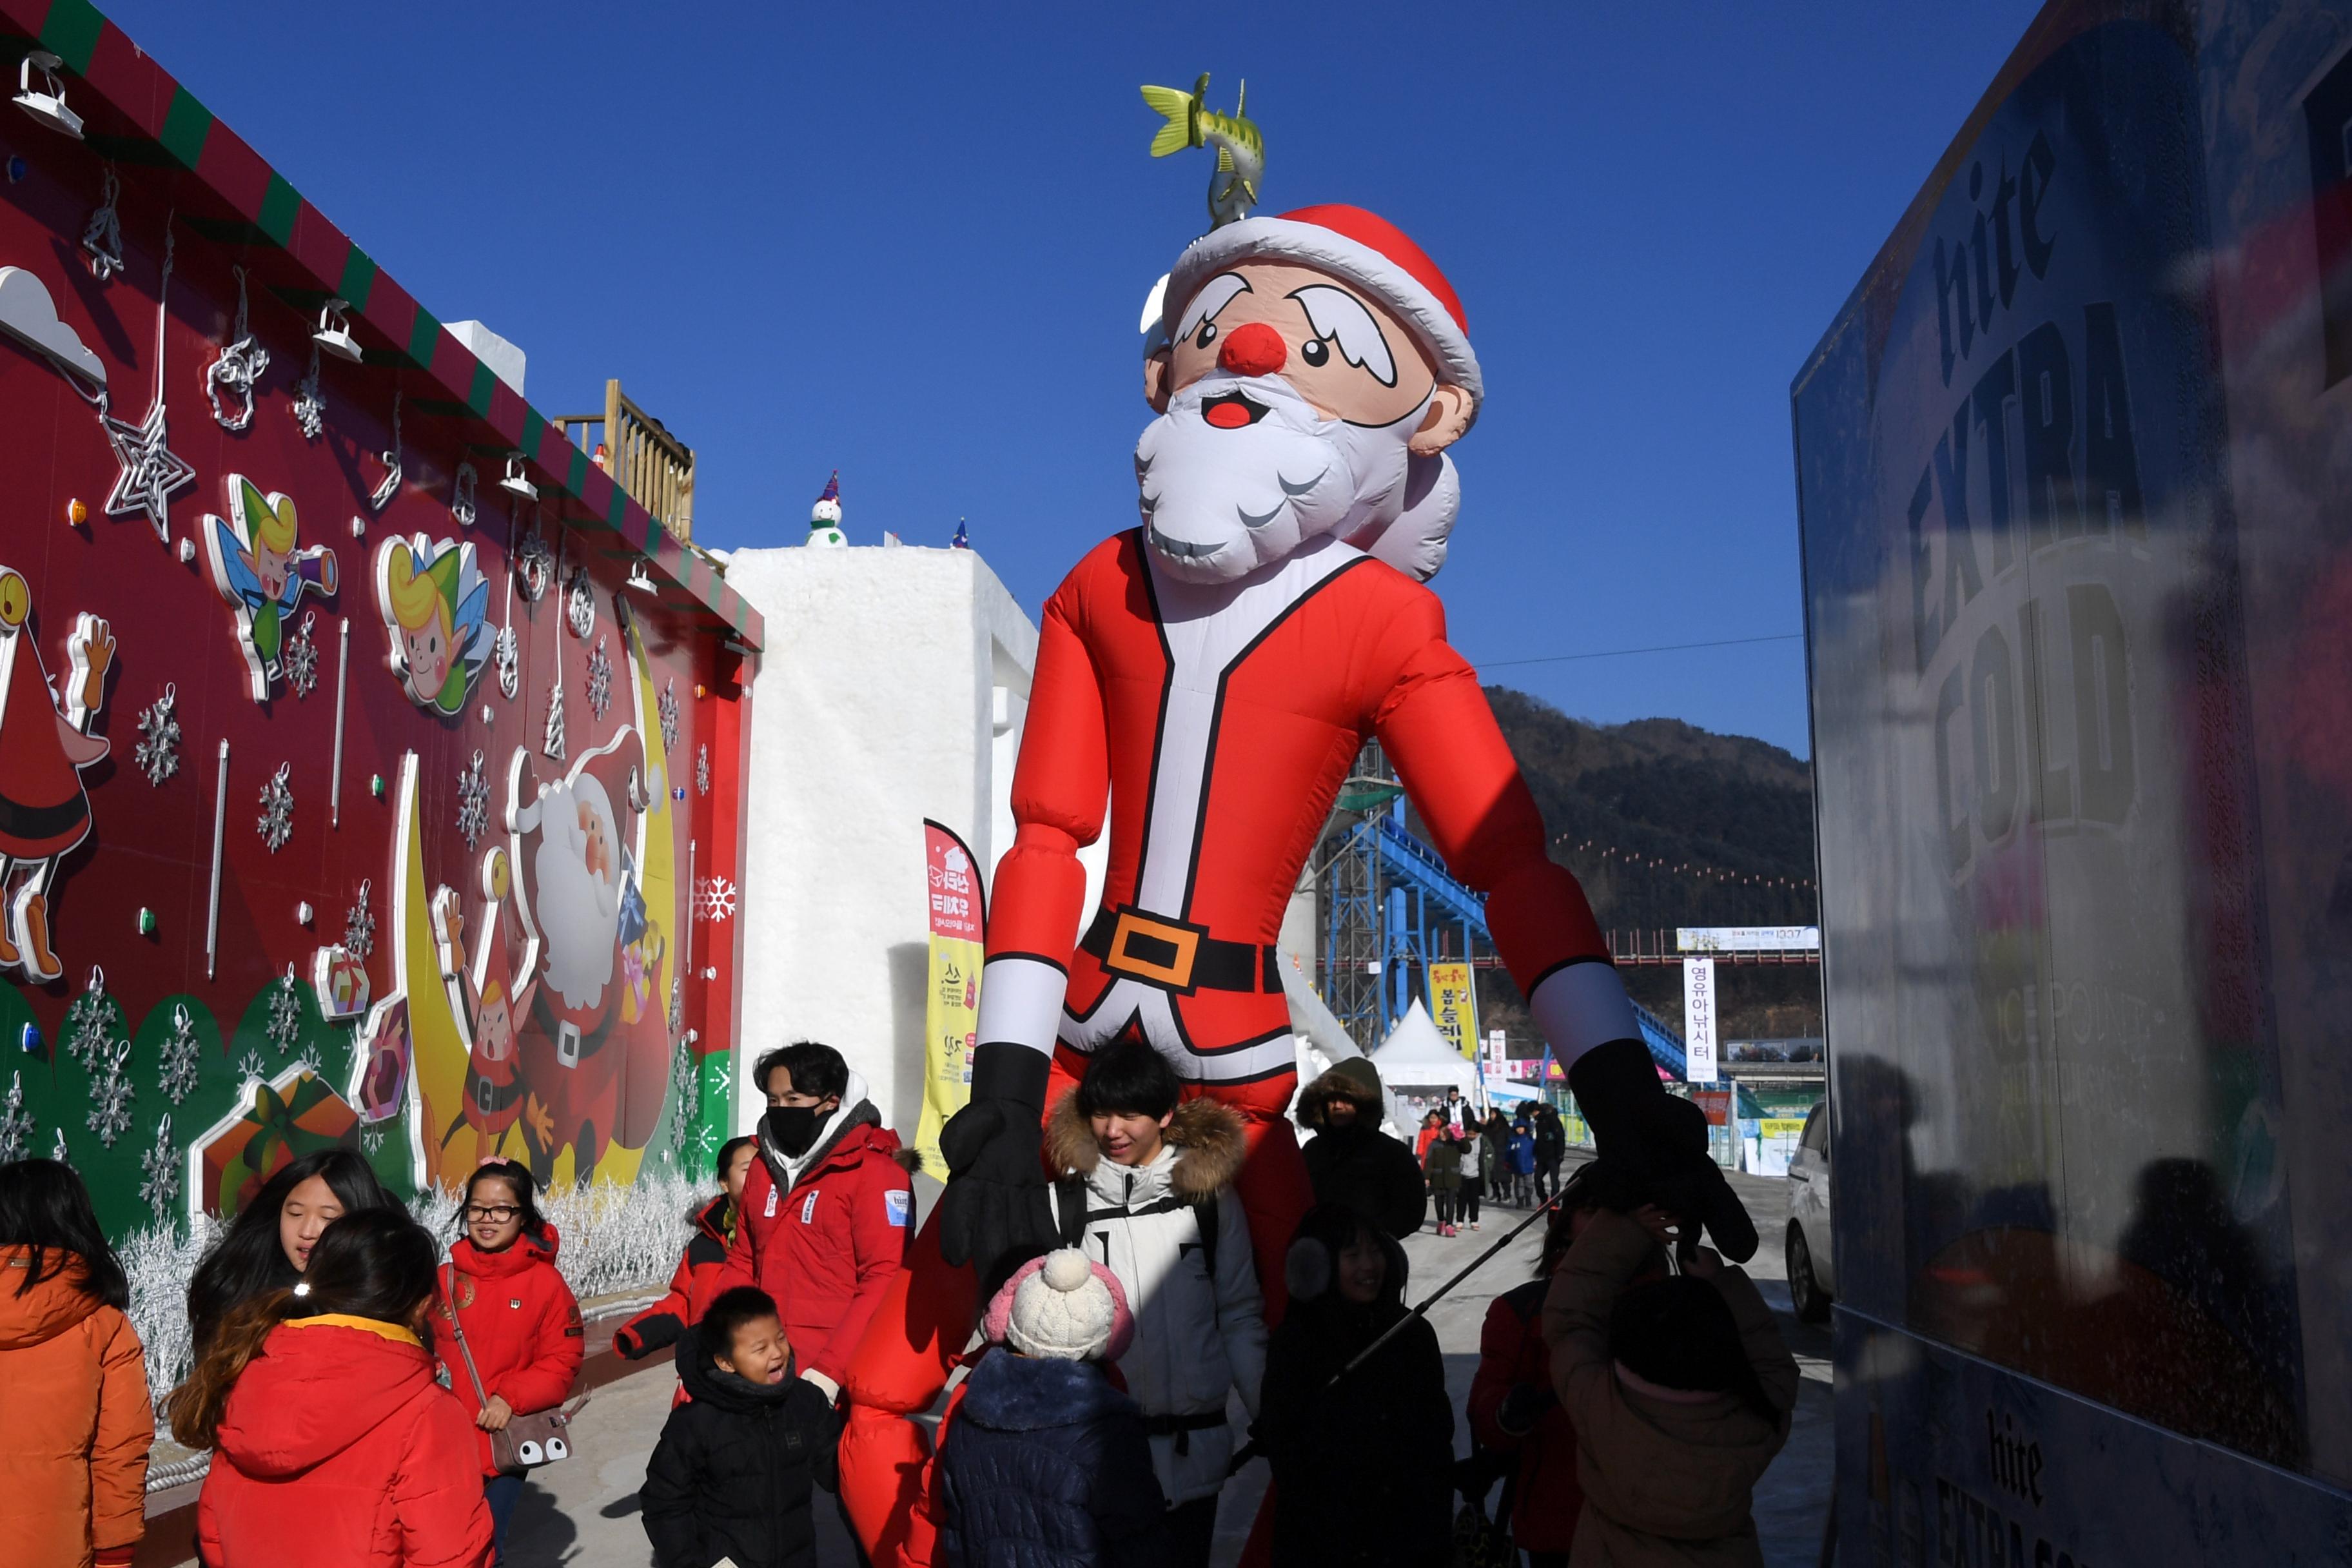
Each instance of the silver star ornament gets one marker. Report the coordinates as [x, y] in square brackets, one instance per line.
[152, 472]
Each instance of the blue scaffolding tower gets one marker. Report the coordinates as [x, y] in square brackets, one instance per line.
[1390, 908]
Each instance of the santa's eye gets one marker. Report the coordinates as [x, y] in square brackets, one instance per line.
[1206, 336]
[1316, 353]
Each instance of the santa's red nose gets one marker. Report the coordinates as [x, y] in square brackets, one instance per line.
[1252, 348]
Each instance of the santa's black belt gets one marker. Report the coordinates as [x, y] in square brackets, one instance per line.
[1179, 957]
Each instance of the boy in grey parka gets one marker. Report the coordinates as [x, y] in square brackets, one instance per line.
[1148, 1193]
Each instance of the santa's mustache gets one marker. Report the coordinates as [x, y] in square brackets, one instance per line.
[1241, 470]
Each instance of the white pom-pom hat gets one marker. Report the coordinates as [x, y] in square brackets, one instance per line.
[1063, 1307]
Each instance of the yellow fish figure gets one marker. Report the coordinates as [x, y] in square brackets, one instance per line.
[1241, 150]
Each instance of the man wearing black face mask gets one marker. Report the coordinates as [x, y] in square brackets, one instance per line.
[826, 1210]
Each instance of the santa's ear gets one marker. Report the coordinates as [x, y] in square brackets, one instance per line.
[1449, 409]
[1155, 381]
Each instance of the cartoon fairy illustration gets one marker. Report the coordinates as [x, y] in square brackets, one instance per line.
[44, 810]
[435, 607]
[262, 570]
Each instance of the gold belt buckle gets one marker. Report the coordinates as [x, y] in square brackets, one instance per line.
[1177, 972]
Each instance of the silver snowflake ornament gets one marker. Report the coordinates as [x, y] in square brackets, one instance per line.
[668, 709]
[301, 658]
[276, 822]
[182, 1056]
[600, 679]
[359, 926]
[580, 605]
[16, 1122]
[89, 1023]
[159, 1171]
[702, 770]
[158, 750]
[677, 1002]
[285, 1025]
[473, 802]
[110, 1095]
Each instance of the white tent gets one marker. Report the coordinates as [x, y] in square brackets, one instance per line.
[1417, 1066]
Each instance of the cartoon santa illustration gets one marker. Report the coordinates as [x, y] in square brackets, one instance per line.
[44, 810]
[1211, 674]
[593, 1077]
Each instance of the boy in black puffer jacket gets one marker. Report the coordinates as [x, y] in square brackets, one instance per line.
[732, 1474]
[1349, 1160]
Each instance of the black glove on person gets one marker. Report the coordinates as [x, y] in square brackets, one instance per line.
[1662, 1138]
[994, 1215]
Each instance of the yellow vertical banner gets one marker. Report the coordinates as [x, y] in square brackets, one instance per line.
[1453, 1005]
[958, 923]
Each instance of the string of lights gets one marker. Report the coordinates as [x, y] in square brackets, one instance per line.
[1610, 853]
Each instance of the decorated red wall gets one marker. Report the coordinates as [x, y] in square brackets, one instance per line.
[319, 639]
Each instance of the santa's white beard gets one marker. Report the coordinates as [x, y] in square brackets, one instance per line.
[579, 912]
[1219, 503]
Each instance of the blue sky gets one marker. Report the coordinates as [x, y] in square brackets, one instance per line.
[912, 243]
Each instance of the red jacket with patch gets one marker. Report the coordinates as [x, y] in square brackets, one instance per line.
[691, 1288]
[1547, 1497]
[827, 1250]
[522, 1324]
[337, 1449]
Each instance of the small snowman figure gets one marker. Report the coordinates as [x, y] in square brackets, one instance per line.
[824, 518]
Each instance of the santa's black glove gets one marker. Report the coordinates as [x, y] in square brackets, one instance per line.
[1661, 1137]
[994, 1215]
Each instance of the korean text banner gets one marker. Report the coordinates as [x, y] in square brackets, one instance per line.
[1454, 1006]
[959, 924]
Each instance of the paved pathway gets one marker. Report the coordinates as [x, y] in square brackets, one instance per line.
[584, 1513]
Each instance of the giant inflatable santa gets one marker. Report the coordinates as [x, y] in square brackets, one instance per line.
[1211, 674]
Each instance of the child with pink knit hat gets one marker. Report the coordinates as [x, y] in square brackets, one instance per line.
[1043, 1463]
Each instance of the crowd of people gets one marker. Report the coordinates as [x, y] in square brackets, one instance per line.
[368, 1401]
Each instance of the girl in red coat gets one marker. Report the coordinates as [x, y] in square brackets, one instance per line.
[333, 1446]
[695, 1284]
[1512, 1407]
[520, 1320]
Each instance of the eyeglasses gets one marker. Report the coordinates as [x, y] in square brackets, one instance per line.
[497, 1214]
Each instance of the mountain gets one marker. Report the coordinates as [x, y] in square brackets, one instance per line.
[1668, 825]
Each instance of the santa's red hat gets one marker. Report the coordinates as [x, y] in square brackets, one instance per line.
[1362, 248]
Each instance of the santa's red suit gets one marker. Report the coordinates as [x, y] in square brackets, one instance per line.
[1219, 719]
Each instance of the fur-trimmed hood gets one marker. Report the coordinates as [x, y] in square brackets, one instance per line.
[1351, 1078]
[1205, 1136]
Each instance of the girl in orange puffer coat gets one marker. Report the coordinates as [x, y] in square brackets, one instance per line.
[75, 1422]
[333, 1445]
[520, 1320]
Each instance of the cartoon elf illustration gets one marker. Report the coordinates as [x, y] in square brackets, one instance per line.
[436, 605]
[44, 810]
[262, 570]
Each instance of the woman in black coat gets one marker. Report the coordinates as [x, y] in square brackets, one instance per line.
[732, 1474]
[1363, 1467]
